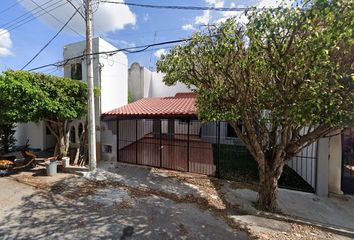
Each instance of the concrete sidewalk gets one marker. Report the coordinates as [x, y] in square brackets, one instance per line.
[334, 212]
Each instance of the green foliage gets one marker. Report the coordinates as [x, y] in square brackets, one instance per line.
[296, 62]
[130, 97]
[286, 75]
[236, 163]
[27, 96]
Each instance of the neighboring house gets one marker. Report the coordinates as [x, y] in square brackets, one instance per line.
[144, 83]
[110, 76]
[160, 128]
[165, 132]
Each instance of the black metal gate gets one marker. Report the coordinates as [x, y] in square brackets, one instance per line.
[174, 144]
[348, 161]
[206, 148]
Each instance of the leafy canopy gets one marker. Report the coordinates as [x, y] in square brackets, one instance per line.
[295, 62]
[287, 75]
[27, 96]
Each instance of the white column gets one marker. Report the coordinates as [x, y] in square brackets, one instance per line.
[322, 167]
[335, 163]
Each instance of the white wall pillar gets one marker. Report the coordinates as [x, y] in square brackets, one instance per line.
[335, 163]
[322, 167]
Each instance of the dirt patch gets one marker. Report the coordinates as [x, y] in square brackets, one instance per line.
[125, 204]
[241, 185]
[297, 232]
[81, 190]
[141, 192]
[37, 178]
[208, 187]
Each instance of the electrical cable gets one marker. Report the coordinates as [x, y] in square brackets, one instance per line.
[11, 6]
[224, 9]
[110, 53]
[77, 9]
[30, 13]
[31, 18]
[47, 44]
[59, 19]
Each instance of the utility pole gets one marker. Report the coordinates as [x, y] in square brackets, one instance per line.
[90, 83]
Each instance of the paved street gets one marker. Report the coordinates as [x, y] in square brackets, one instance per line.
[129, 202]
[75, 208]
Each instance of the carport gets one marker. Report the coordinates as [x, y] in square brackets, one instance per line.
[163, 132]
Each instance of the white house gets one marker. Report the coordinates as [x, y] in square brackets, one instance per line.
[144, 83]
[327, 165]
[110, 76]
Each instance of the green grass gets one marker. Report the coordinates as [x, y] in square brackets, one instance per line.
[236, 163]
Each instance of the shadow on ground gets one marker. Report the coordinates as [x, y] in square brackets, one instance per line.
[76, 208]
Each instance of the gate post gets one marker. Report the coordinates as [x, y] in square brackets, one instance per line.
[188, 122]
[136, 141]
[321, 184]
[218, 147]
[117, 139]
[160, 128]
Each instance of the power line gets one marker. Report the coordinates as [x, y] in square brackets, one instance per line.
[46, 45]
[11, 6]
[224, 9]
[59, 19]
[30, 18]
[110, 53]
[29, 13]
[77, 9]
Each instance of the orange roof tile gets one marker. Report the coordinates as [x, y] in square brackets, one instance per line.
[181, 105]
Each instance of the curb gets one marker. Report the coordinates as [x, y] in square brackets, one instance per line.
[330, 228]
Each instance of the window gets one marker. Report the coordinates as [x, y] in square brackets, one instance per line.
[231, 132]
[76, 71]
[107, 148]
[47, 131]
[72, 137]
[80, 129]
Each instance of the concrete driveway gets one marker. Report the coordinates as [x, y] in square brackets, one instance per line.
[71, 207]
[129, 202]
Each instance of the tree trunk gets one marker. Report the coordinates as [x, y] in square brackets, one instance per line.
[269, 175]
[60, 147]
[60, 130]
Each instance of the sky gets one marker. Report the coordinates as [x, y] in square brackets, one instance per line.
[23, 34]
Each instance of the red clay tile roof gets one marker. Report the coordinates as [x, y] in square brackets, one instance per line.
[181, 105]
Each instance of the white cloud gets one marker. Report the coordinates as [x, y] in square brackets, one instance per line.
[203, 19]
[5, 43]
[273, 3]
[160, 52]
[120, 43]
[124, 43]
[188, 27]
[215, 3]
[146, 17]
[239, 15]
[108, 17]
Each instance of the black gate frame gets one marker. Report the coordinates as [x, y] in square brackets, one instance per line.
[188, 147]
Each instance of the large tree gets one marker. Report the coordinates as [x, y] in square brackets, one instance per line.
[286, 75]
[33, 97]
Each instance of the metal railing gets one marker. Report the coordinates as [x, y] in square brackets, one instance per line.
[205, 148]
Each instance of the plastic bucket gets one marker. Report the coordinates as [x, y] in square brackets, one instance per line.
[65, 161]
[51, 167]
